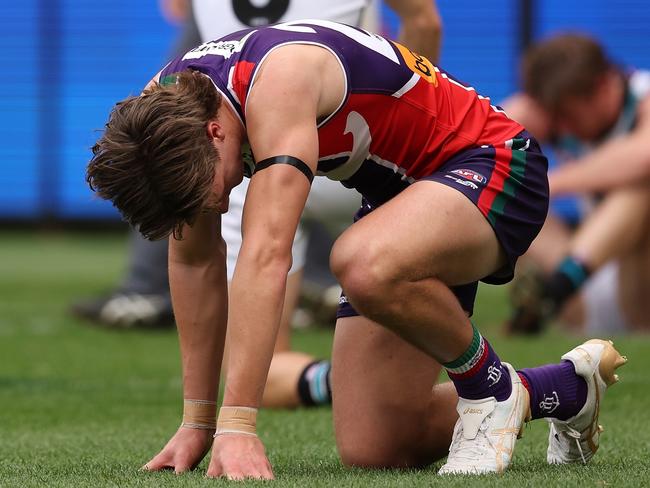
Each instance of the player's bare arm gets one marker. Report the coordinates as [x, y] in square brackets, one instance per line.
[197, 275]
[421, 26]
[620, 162]
[287, 98]
[525, 110]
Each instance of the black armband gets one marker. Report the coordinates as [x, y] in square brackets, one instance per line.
[295, 162]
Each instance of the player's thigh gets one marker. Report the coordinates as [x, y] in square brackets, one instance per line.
[385, 410]
[427, 230]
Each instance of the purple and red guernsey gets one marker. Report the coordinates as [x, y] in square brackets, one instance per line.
[401, 117]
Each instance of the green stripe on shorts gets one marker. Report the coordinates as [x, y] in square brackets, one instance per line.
[515, 180]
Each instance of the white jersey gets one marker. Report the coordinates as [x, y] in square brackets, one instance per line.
[216, 18]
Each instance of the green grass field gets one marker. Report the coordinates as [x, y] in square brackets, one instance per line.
[81, 406]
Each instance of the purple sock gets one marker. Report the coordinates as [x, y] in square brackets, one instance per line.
[555, 390]
[478, 373]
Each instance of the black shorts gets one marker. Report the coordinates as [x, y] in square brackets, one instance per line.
[508, 183]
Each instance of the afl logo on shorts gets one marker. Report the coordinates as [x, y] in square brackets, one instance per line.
[468, 174]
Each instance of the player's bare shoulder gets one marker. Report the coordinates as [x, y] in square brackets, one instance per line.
[310, 73]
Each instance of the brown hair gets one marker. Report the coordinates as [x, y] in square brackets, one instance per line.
[563, 66]
[155, 161]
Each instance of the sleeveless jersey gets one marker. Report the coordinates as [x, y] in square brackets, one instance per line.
[215, 18]
[401, 117]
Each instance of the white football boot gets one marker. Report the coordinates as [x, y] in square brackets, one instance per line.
[576, 439]
[485, 434]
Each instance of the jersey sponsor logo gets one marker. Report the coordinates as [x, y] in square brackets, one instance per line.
[218, 48]
[418, 64]
[470, 175]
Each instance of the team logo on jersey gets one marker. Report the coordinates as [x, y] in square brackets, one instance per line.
[468, 174]
[418, 64]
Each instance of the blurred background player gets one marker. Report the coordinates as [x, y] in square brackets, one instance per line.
[596, 115]
[143, 300]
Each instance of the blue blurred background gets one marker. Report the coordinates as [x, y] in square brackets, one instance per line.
[66, 62]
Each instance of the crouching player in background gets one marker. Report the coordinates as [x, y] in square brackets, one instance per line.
[596, 115]
[454, 192]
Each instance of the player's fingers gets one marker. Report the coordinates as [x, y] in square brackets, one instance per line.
[233, 470]
[261, 475]
[267, 470]
[263, 470]
[239, 471]
[254, 470]
[236, 475]
[257, 469]
[244, 474]
[181, 466]
[215, 469]
[159, 462]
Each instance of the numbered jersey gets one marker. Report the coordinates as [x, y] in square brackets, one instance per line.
[218, 17]
[401, 117]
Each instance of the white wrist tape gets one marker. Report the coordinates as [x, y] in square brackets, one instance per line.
[237, 420]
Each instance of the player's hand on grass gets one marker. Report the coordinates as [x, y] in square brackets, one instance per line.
[238, 457]
[183, 452]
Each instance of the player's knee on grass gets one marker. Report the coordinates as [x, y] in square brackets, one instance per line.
[376, 448]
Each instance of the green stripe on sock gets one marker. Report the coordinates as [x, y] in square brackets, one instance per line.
[468, 354]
